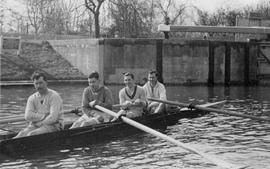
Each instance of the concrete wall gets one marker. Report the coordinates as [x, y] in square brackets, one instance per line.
[180, 61]
[219, 62]
[237, 63]
[134, 55]
[253, 67]
[81, 53]
[264, 68]
[185, 61]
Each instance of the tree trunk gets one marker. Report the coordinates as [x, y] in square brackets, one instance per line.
[97, 27]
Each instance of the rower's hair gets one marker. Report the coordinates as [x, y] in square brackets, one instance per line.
[153, 72]
[37, 75]
[129, 74]
[94, 75]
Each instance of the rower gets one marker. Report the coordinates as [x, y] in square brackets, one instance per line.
[94, 94]
[154, 89]
[131, 97]
[43, 109]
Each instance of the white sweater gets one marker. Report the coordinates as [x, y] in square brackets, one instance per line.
[38, 105]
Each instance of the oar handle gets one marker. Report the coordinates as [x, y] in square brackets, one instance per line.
[209, 109]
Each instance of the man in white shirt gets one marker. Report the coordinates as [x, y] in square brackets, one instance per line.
[132, 98]
[43, 110]
[154, 89]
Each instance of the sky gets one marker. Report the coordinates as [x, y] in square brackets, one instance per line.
[212, 5]
[209, 5]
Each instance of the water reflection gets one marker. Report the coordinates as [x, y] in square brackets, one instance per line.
[233, 139]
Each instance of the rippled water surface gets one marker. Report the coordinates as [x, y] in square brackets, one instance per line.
[236, 140]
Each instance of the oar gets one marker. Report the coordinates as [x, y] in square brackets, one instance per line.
[142, 127]
[118, 106]
[11, 117]
[209, 109]
[18, 118]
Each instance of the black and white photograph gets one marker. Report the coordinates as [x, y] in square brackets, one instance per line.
[137, 84]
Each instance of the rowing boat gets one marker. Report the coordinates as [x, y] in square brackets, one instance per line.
[79, 137]
[71, 138]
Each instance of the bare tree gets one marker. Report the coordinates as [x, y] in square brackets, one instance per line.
[132, 18]
[225, 17]
[263, 8]
[94, 7]
[35, 12]
[172, 10]
[2, 14]
[18, 19]
[81, 19]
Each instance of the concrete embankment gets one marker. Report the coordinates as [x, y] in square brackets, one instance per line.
[177, 61]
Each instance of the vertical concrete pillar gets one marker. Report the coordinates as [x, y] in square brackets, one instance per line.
[246, 70]
[101, 66]
[211, 65]
[227, 64]
[159, 63]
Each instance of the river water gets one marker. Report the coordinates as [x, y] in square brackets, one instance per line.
[235, 140]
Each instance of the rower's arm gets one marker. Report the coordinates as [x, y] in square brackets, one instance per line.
[86, 109]
[163, 93]
[31, 114]
[122, 99]
[55, 110]
[143, 98]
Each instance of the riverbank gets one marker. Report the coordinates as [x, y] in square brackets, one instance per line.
[36, 56]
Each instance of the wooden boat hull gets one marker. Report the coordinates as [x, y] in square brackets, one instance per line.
[79, 137]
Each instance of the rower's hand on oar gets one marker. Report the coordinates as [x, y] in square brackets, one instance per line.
[39, 123]
[137, 102]
[121, 112]
[93, 103]
[126, 104]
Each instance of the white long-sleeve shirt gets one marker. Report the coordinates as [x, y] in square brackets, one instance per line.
[157, 92]
[37, 106]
